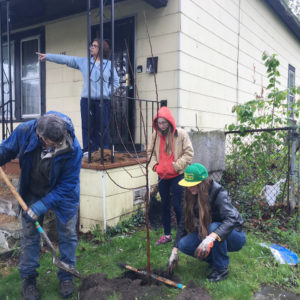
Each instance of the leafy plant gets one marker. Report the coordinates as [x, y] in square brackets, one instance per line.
[260, 157]
[127, 226]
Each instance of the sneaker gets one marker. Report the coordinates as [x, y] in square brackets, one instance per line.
[163, 240]
[66, 288]
[85, 154]
[29, 289]
[217, 275]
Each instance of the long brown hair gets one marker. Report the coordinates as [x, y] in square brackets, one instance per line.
[168, 133]
[204, 209]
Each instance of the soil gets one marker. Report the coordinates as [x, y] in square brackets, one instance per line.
[133, 286]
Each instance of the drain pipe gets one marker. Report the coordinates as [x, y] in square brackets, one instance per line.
[104, 200]
[179, 72]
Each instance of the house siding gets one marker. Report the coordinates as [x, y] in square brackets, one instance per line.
[209, 57]
[220, 57]
[68, 35]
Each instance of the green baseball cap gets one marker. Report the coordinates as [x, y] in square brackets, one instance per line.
[193, 175]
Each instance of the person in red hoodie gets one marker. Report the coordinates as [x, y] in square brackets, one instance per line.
[170, 151]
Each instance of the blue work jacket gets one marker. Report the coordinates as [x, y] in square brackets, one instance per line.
[63, 197]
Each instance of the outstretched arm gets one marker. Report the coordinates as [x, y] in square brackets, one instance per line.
[41, 56]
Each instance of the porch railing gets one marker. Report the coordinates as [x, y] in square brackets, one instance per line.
[130, 127]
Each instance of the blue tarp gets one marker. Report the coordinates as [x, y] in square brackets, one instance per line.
[282, 254]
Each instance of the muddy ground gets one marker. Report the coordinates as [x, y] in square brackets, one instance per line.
[131, 287]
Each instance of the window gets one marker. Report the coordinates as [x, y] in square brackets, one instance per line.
[291, 83]
[6, 80]
[28, 76]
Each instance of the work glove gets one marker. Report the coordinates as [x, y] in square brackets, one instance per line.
[203, 250]
[173, 262]
[34, 211]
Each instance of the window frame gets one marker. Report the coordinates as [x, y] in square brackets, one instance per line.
[16, 38]
[29, 38]
[290, 95]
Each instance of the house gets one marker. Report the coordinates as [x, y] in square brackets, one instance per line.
[207, 54]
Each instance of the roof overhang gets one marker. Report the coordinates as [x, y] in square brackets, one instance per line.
[30, 12]
[284, 13]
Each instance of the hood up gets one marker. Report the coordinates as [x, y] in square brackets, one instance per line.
[165, 113]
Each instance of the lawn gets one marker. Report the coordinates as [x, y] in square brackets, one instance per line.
[249, 268]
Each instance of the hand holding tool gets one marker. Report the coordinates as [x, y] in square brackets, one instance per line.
[56, 261]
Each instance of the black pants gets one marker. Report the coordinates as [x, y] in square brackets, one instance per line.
[95, 123]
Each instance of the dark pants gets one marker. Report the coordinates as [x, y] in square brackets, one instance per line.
[95, 124]
[30, 247]
[164, 188]
[218, 257]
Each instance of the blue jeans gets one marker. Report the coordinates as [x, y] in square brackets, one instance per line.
[95, 117]
[218, 257]
[164, 186]
[30, 247]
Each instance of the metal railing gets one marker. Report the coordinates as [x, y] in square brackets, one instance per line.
[130, 127]
[6, 107]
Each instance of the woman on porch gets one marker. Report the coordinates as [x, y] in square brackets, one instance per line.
[171, 151]
[81, 64]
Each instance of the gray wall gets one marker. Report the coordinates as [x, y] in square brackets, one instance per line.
[209, 148]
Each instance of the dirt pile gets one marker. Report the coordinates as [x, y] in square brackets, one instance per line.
[193, 292]
[99, 287]
[132, 286]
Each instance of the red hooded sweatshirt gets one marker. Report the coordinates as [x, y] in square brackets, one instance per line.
[165, 169]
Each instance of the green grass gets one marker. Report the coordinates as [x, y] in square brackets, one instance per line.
[249, 268]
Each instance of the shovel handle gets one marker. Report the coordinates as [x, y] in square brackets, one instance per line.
[13, 190]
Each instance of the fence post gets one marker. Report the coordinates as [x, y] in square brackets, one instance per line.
[293, 169]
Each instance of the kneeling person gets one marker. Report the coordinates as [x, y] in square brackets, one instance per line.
[210, 225]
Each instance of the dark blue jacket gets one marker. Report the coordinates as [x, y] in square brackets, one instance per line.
[63, 197]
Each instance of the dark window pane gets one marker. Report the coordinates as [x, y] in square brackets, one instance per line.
[30, 64]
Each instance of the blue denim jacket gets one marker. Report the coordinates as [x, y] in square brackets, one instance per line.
[63, 197]
[80, 63]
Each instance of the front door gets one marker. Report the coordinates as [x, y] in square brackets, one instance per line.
[123, 106]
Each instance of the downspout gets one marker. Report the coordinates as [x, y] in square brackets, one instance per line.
[179, 69]
[104, 200]
[238, 55]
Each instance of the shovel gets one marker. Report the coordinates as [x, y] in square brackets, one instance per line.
[56, 261]
[156, 277]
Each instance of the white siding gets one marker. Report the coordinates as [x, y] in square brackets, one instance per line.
[68, 35]
[219, 67]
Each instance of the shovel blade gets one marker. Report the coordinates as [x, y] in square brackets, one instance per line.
[65, 267]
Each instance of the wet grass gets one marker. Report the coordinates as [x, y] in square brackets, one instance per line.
[249, 268]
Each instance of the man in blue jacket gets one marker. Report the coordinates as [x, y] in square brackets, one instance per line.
[50, 161]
